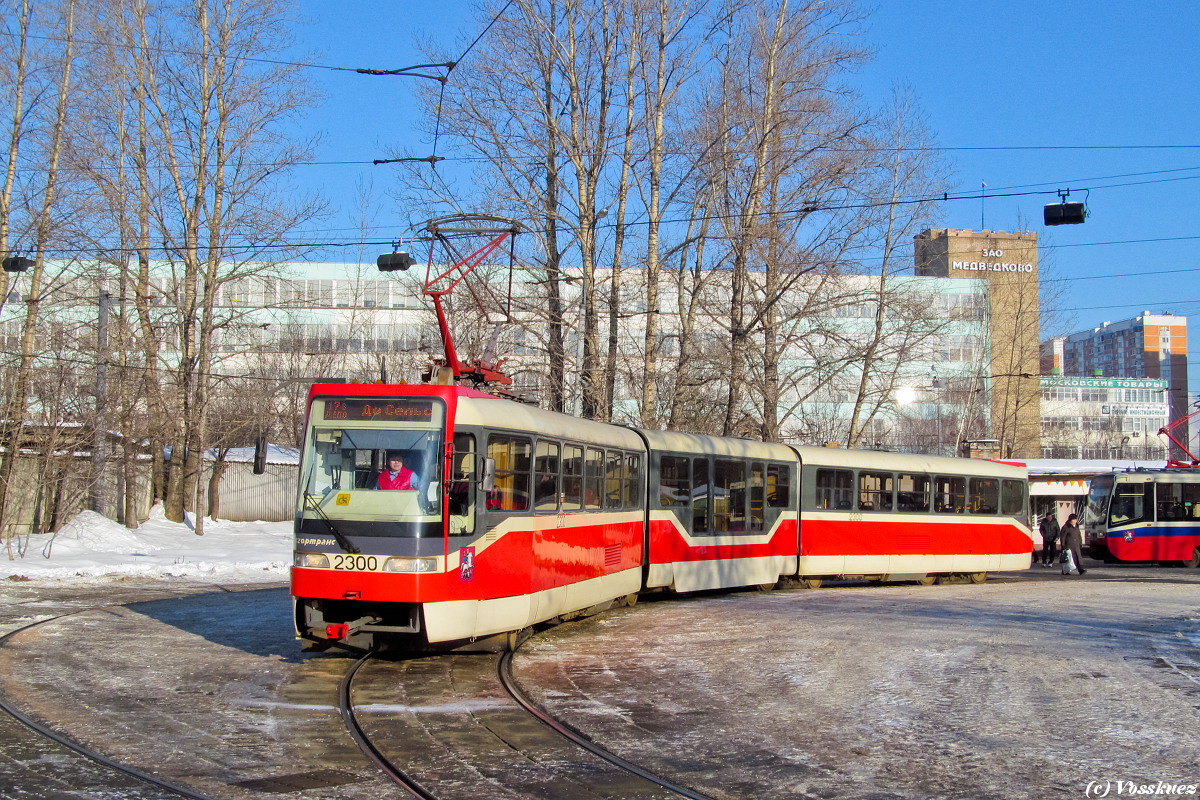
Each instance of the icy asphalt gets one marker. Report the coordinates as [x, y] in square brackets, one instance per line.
[1031, 685]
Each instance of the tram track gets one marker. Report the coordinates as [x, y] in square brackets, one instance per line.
[45, 730]
[363, 740]
[500, 737]
[571, 734]
[95, 673]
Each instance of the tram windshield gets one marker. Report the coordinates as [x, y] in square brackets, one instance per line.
[1131, 502]
[1095, 513]
[400, 465]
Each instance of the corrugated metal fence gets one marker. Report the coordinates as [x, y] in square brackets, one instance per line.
[243, 496]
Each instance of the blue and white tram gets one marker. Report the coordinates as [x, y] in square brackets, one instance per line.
[1145, 515]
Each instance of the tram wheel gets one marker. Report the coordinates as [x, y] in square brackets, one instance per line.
[928, 580]
[977, 577]
[1194, 561]
[631, 599]
[766, 587]
[810, 583]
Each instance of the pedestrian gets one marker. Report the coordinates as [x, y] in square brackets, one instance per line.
[1049, 529]
[1072, 542]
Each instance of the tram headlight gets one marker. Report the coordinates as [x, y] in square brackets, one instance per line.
[317, 560]
[410, 565]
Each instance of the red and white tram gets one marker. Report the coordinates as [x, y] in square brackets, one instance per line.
[895, 516]
[514, 516]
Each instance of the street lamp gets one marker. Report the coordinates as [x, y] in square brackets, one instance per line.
[936, 385]
[910, 395]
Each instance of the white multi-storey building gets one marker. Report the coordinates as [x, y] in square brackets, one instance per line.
[1147, 346]
[927, 381]
[1104, 418]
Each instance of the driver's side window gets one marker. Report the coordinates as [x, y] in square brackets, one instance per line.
[460, 498]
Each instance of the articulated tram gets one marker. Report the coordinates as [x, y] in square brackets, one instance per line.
[508, 516]
[1145, 515]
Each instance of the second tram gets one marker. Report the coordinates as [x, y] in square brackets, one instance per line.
[1145, 515]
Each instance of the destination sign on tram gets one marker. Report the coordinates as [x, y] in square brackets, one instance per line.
[380, 409]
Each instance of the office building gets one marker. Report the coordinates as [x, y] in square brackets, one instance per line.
[1008, 263]
[1104, 418]
[1147, 346]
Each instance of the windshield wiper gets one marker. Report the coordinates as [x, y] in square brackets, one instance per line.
[314, 502]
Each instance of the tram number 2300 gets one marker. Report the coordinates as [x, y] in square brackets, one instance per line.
[359, 563]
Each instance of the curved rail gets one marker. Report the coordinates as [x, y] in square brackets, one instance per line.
[76, 746]
[346, 708]
[514, 690]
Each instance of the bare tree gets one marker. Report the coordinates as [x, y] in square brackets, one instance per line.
[775, 110]
[44, 205]
[202, 143]
[899, 327]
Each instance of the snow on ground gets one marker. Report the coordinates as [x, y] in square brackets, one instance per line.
[93, 548]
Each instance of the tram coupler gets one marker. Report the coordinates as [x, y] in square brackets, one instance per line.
[341, 630]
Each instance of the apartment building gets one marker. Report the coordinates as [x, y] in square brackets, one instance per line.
[1149, 346]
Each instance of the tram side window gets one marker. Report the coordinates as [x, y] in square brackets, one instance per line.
[985, 496]
[834, 489]
[674, 482]
[1012, 498]
[594, 486]
[460, 498]
[729, 496]
[572, 477]
[613, 469]
[1191, 500]
[1177, 501]
[757, 491]
[633, 481]
[701, 492]
[949, 494]
[1130, 503]
[514, 457]
[912, 493]
[779, 485]
[875, 491]
[545, 476]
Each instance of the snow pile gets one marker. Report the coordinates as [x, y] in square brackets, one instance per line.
[91, 547]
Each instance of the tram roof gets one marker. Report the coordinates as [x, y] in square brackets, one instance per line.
[671, 441]
[496, 412]
[882, 459]
[1085, 468]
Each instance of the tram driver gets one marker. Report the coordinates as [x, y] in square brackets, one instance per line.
[396, 476]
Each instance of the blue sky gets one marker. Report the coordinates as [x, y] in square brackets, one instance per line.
[1027, 97]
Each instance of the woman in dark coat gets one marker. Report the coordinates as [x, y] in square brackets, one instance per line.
[1072, 539]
